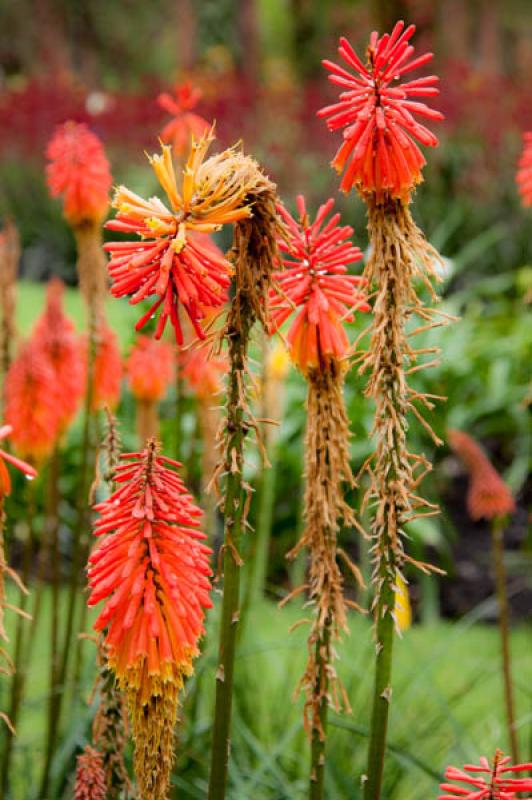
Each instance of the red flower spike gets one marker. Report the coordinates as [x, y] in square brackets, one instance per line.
[30, 403]
[90, 776]
[379, 153]
[203, 372]
[496, 785]
[152, 570]
[186, 125]
[150, 368]
[315, 279]
[169, 261]
[79, 172]
[26, 469]
[56, 335]
[107, 375]
[524, 172]
[488, 495]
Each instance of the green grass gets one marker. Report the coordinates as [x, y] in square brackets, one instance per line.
[446, 708]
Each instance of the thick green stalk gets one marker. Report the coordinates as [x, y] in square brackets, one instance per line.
[497, 534]
[263, 531]
[238, 336]
[319, 740]
[382, 693]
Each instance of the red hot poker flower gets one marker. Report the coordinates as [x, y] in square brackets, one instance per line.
[56, 335]
[315, 280]
[79, 171]
[30, 403]
[497, 785]
[203, 372]
[5, 480]
[379, 153]
[150, 368]
[168, 261]
[152, 570]
[186, 124]
[107, 369]
[90, 776]
[488, 495]
[524, 172]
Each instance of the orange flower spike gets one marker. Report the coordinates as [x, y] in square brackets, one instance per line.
[202, 372]
[379, 153]
[56, 334]
[152, 570]
[26, 469]
[31, 403]
[170, 261]
[315, 280]
[90, 776]
[107, 370]
[488, 495]
[150, 368]
[524, 171]
[79, 172]
[186, 124]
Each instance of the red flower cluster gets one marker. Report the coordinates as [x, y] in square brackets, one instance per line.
[150, 368]
[497, 785]
[377, 113]
[152, 570]
[79, 171]
[31, 403]
[315, 279]
[107, 374]
[203, 372]
[169, 261]
[90, 776]
[5, 480]
[488, 495]
[186, 124]
[55, 333]
[524, 172]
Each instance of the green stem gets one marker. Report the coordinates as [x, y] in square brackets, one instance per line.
[238, 336]
[19, 660]
[382, 691]
[497, 539]
[319, 731]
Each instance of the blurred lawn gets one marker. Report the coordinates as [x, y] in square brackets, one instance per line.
[31, 299]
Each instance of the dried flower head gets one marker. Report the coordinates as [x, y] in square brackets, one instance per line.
[107, 369]
[79, 172]
[57, 336]
[30, 403]
[150, 368]
[168, 261]
[185, 124]
[488, 495]
[152, 570]
[315, 281]
[524, 172]
[26, 469]
[486, 781]
[90, 776]
[379, 152]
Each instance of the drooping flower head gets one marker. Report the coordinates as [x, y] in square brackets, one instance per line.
[107, 369]
[90, 776]
[150, 368]
[524, 172]
[26, 469]
[316, 283]
[56, 334]
[168, 261]
[486, 781]
[379, 153]
[185, 124]
[79, 172]
[152, 570]
[488, 496]
[30, 403]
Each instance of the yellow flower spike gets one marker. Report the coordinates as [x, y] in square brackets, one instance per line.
[403, 609]
[278, 362]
